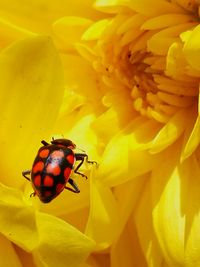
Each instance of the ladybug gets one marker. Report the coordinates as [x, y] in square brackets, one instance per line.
[52, 168]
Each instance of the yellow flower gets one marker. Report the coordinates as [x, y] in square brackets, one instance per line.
[129, 97]
[145, 60]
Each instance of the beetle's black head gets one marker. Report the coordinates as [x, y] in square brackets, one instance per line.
[64, 142]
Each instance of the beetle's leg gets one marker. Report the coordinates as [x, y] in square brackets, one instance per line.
[32, 194]
[74, 185]
[81, 157]
[25, 173]
[44, 143]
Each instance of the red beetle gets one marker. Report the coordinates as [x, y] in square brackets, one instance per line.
[52, 168]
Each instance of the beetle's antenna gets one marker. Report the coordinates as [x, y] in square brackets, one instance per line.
[80, 149]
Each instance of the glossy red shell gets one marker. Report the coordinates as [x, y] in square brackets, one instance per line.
[51, 170]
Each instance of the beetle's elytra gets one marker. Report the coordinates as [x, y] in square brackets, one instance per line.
[52, 168]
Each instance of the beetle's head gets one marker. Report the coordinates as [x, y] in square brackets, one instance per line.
[64, 142]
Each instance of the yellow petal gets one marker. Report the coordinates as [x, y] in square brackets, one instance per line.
[51, 240]
[80, 77]
[142, 217]
[191, 200]
[191, 48]
[166, 20]
[120, 98]
[86, 52]
[131, 22]
[103, 221]
[184, 36]
[175, 60]
[168, 216]
[143, 133]
[170, 132]
[160, 42]
[125, 154]
[70, 29]
[60, 243]
[193, 140]
[17, 221]
[8, 254]
[102, 124]
[94, 32]
[176, 213]
[116, 154]
[38, 15]
[31, 92]
[127, 250]
[86, 265]
[176, 100]
[10, 32]
[25, 257]
[73, 218]
[111, 6]
[142, 6]
[99, 259]
[127, 195]
[186, 88]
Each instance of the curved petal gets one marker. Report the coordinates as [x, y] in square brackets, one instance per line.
[51, 240]
[38, 15]
[69, 30]
[170, 132]
[60, 243]
[94, 32]
[17, 221]
[159, 7]
[8, 255]
[190, 206]
[193, 140]
[10, 32]
[191, 48]
[125, 154]
[166, 20]
[103, 221]
[176, 214]
[31, 87]
[127, 195]
[126, 251]
[142, 218]
[80, 78]
[25, 257]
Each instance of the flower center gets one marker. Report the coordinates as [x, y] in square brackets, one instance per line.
[148, 65]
